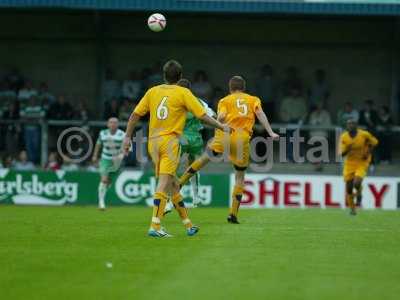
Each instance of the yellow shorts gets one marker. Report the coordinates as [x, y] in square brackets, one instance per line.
[165, 153]
[355, 169]
[237, 143]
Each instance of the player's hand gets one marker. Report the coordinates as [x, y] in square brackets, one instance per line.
[274, 136]
[226, 128]
[126, 145]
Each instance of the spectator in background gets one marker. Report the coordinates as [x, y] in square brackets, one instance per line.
[385, 123]
[82, 113]
[112, 109]
[319, 91]
[369, 119]
[347, 113]
[369, 116]
[15, 79]
[68, 164]
[13, 130]
[144, 78]
[32, 113]
[6, 93]
[156, 76]
[7, 161]
[125, 111]
[219, 93]
[201, 87]
[292, 81]
[319, 117]
[132, 87]
[111, 87]
[60, 110]
[266, 89]
[44, 94]
[53, 162]
[27, 92]
[23, 164]
[293, 110]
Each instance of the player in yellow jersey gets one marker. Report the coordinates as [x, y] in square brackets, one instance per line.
[167, 105]
[356, 146]
[238, 110]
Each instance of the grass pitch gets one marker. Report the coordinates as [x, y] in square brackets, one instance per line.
[81, 253]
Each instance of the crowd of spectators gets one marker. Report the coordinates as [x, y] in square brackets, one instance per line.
[287, 99]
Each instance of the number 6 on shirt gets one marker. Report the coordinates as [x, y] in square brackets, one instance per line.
[162, 109]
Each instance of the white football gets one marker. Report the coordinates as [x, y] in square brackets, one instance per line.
[157, 22]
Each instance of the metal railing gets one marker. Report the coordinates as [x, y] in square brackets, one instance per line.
[46, 126]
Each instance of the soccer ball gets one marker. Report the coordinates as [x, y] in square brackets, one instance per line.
[157, 22]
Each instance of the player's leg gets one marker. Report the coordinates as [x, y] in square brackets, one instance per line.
[105, 167]
[360, 173]
[194, 168]
[237, 195]
[179, 205]
[349, 171]
[102, 191]
[239, 156]
[350, 196]
[160, 200]
[194, 181]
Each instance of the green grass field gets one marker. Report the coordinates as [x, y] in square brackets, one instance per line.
[62, 253]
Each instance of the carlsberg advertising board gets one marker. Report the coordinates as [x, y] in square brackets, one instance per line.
[128, 187]
[136, 188]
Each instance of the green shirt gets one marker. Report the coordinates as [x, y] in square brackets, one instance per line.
[193, 125]
[111, 143]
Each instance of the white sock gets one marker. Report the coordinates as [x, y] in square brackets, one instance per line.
[194, 182]
[169, 206]
[102, 194]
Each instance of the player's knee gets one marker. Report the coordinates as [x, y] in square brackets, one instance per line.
[349, 187]
[181, 204]
[239, 197]
[239, 168]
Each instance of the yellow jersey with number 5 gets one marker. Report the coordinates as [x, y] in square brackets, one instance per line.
[167, 105]
[239, 110]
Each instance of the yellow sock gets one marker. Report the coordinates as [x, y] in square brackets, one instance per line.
[237, 195]
[160, 200]
[191, 171]
[177, 199]
[350, 201]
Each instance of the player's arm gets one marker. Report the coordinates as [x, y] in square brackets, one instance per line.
[213, 122]
[140, 110]
[200, 113]
[96, 152]
[344, 147]
[132, 122]
[372, 143]
[262, 117]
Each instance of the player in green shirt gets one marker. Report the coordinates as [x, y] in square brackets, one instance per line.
[110, 143]
[192, 143]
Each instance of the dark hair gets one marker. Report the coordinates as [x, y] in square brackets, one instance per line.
[237, 83]
[172, 71]
[184, 83]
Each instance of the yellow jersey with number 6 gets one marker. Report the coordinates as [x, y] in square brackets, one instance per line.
[168, 105]
[239, 110]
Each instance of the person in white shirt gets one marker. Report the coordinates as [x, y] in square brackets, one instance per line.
[27, 92]
[23, 164]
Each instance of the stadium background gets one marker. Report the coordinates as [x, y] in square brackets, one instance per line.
[83, 51]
